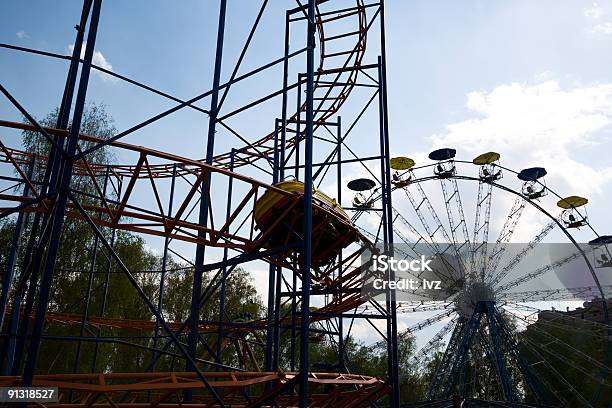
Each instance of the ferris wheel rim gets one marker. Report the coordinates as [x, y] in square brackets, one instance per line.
[542, 210]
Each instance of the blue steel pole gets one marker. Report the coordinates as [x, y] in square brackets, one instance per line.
[278, 163]
[277, 313]
[109, 265]
[285, 97]
[21, 328]
[162, 278]
[298, 134]
[541, 393]
[230, 188]
[293, 316]
[92, 269]
[500, 362]
[63, 118]
[204, 203]
[392, 355]
[307, 252]
[272, 270]
[60, 205]
[34, 256]
[464, 347]
[12, 258]
[10, 368]
[10, 345]
[387, 216]
[339, 198]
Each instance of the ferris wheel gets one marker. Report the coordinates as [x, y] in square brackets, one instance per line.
[525, 318]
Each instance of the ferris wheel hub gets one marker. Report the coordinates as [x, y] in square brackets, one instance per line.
[473, 294]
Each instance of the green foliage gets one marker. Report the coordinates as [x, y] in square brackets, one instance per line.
[372, 360]
[95, 122]
[84, 265]
[574, 348]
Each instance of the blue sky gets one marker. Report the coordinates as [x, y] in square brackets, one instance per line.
[439, 53]
[530, 79]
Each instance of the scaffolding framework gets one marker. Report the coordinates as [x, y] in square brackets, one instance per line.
[192, 217]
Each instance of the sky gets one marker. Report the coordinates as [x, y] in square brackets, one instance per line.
[529, 79]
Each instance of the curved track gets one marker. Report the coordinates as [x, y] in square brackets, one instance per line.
[124, 212]
[343, 65]
[165, 389]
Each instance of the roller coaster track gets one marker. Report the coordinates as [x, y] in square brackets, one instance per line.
[329, 97]
[125, 214]
[121, 213]
[335, 79]
[165, 389]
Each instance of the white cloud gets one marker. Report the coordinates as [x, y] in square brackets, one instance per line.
[597, 25]
[595, 11]
[21, 34]
[545, 76]
[98, 59]
[604, 28]
[539, 124]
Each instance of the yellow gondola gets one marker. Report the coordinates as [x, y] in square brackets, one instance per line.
[401, 163]
[572, 202]
[331, 226]
[570, 216]
[486, 158]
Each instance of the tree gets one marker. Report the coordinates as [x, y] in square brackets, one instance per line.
[77, 269]
[574, 344]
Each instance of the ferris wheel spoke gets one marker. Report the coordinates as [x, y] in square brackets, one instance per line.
[412, 246]
[442, 371]
[542, 270]
[452, 275]
[437, 234]
[537, 350]
[428, 322]
[586, 292]
[582, 358]
[434, 233]
[506, 232]
[420, 306]
[570, 330]
[538, 384]
[434, 342]
[419, 237]
[458, 367]
[487, 349]
[528, 316]
[370, 235]
[499, 275]
[480, 236]
[456, 217]
[419, 326]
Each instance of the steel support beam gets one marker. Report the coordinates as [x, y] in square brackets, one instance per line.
[307, 251]
[204, 200]
[57, 219]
